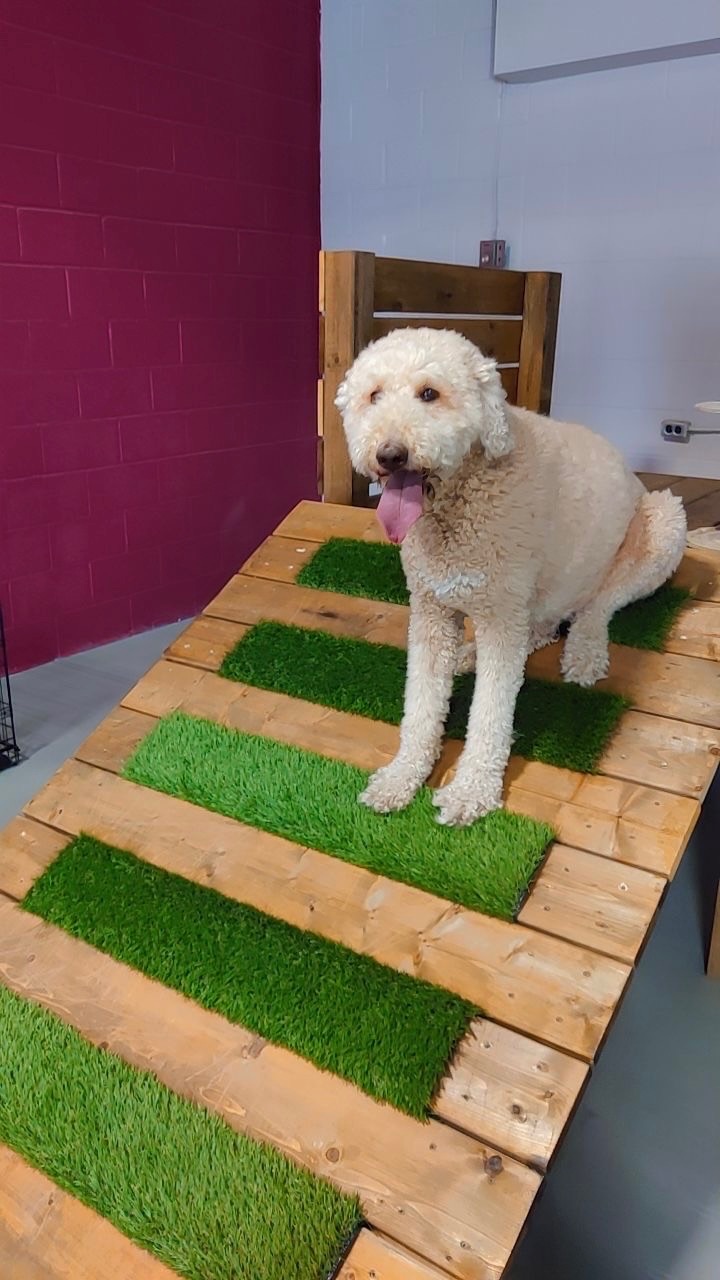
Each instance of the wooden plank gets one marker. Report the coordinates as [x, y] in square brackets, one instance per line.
[348, 303]
[509, 379]
[617, 839]
[169, 686]
[664, 684]
[26, 849]
[374, 1257]
[689, 488]
[620, 821]
[655, 480]
[594, 902]
[46, 1234]
[699, 573]
[693, 489]
[431, 1188]
[251, 600]
[696, 631]
[525, 1009]
[631, 824]
[205, 642]
[497, 1086]
[499, 339]
[670, 754]
[522, 1091]
[541, 304]
[280, 559]
[318, 521]
[704, 512]
[442, 288]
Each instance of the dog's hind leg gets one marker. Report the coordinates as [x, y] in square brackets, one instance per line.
[652, 550]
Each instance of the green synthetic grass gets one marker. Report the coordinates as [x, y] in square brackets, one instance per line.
[648, 623]
[369, 569]
[210, 1203]
[389, 1034]
[313, 801]
[560, 724]
[373, 570]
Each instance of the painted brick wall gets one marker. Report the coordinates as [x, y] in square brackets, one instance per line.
[159, 229]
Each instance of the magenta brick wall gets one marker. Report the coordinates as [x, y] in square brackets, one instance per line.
[159, 227]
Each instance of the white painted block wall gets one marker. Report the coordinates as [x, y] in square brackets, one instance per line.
[612, 178]
[537, 39]
[409, 127]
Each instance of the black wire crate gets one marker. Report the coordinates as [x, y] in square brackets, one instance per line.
[9, 751]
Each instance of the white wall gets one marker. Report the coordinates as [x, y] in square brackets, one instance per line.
[409, 127]
[534, 41]
[612, 178]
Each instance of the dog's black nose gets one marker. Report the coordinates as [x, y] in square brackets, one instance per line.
[392, 456]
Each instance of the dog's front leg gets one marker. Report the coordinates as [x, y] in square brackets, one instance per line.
[477, 787]
[434, 638]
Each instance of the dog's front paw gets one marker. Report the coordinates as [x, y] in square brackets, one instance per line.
[389, 789]
[462, 803]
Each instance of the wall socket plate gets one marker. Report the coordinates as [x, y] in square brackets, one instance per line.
[494, 253]
[675, 430]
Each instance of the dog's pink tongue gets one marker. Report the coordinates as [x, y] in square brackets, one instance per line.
[401, 503]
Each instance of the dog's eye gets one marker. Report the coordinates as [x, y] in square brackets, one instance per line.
[375, 395]
[428, 394]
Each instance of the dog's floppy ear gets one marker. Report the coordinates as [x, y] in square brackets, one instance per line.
[495, 434]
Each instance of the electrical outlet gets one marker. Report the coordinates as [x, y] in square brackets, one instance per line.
[493, 253]
[675, 431]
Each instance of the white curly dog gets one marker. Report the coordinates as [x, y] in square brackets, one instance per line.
[507, 518]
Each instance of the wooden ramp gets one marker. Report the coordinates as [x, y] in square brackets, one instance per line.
[444, 1199]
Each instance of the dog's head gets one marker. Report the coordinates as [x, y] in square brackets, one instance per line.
[420, 400]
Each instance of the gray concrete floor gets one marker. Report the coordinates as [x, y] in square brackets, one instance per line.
[57, 705]
[635, 1191]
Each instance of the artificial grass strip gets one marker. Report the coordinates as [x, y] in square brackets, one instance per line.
[313, 800]
[648, 623]
[209, 1202]
[353, 568]
[556, 723]
[374, 570]
[389, 1034]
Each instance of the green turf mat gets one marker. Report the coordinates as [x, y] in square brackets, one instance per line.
[369, 569]
[648, 623]
[313, 800]
[389, 1034]
[373, 570]
[210, 1203]
[557, 723]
